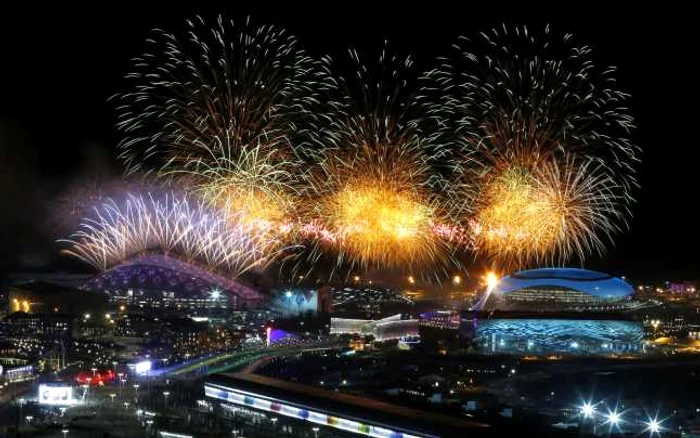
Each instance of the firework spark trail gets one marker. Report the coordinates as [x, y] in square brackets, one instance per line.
[518, 148]
[533, 119]
[547, 215]
[227, 108]
[175, 225]
[375, 205]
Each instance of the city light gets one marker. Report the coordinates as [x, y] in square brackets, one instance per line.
[143, 367]
[653, 426]
[411, 279]
[288, 294]
[456, 280]
[491, 280]
[215, 294]
[587, 410]
[614, 418]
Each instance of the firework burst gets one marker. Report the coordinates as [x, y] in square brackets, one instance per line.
[532, 117]
[226, 108]
[170, 224]
[548, 215]
[374, 182]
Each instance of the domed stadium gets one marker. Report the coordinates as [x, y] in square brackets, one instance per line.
[163, 281]
[559, 289]
[559, 311]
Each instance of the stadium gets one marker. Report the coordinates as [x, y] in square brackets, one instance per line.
[560, 289]
[167, 282]
[560, 311]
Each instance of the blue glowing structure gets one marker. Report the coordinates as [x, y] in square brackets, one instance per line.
[593, 283]
[558, 336]
[558, 289]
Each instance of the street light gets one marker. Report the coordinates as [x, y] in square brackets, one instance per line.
[65, 433]
[166, 394]
[315, 429]
[614, 418]
[653, 426]
[587, 410]
[112, 397]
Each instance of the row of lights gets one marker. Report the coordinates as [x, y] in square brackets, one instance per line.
[614, 418]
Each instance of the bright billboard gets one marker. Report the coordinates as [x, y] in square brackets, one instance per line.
[56, 395]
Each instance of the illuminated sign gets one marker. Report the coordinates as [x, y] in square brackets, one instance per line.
[256, 401]
[56, 395]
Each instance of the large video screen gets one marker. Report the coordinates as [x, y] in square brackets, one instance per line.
[294, 301]
[56, 395]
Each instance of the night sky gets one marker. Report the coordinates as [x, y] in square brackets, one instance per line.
[60, 66]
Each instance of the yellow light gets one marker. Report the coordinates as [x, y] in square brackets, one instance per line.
[456, 279]
[411, 279]
[25, 306]
[356, 278]
[381, 224]
[122, 308]
[491, 280]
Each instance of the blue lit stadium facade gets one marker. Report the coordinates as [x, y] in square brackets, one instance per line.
[560, 289]
[558, 336]
[558, 311]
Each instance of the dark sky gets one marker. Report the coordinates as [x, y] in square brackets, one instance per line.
[60, 65]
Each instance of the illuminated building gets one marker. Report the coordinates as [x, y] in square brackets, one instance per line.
[159, 281]
[20, 325]
[559, 289]
[559, 336]
[440, 319]
[369, 301]
[49, 298]
[385, 329]
[558, 311]
[686, 287]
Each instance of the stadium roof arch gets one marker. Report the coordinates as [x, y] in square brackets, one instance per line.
[594, 283]
[168, 273]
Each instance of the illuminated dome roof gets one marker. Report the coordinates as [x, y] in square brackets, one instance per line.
[592, 283]
[160, 272]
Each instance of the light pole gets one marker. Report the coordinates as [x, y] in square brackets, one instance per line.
[136, 398]
[122, 380]
[315, 429]
[87, 391]
[112, 397]
[65, 433]
[166, 394]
